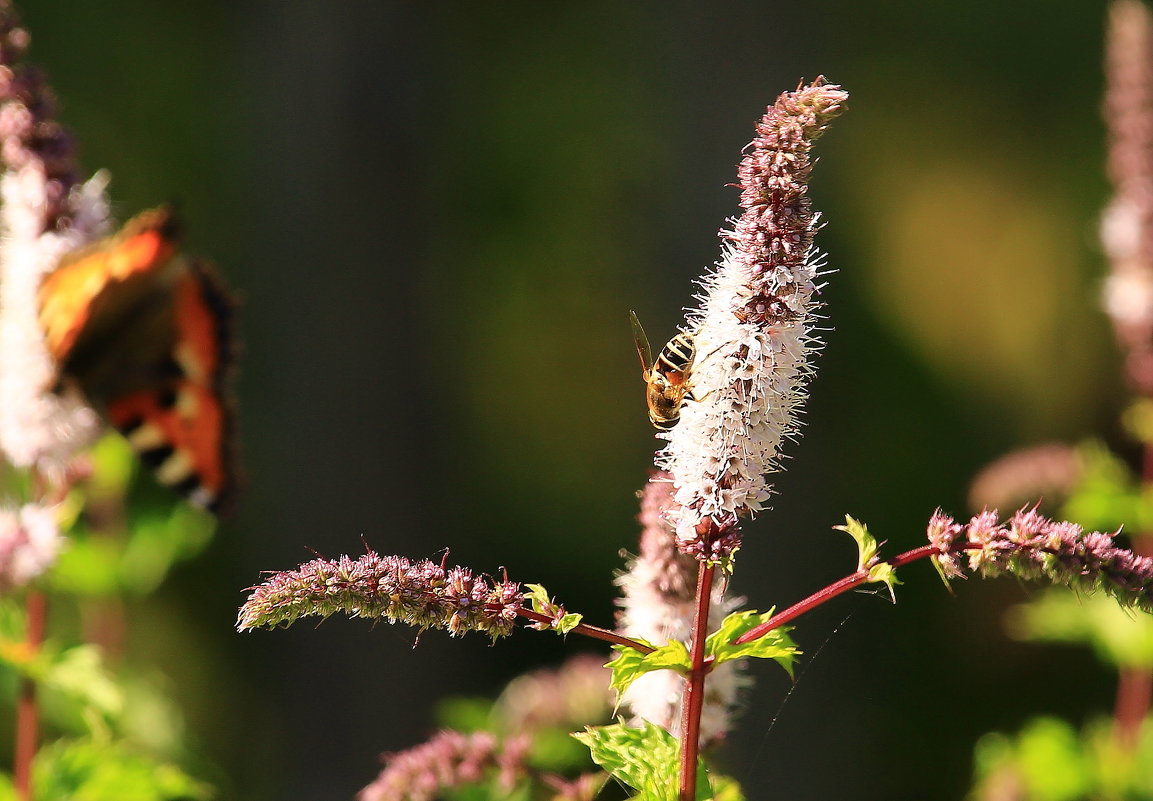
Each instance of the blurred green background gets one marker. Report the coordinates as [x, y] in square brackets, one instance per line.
[438, 215]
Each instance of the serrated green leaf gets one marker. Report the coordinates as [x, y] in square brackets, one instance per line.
[866, 542]
[776, 645]
[647, 759]
[568, 622]
[884, 573]
[631, 663]
[538, 597]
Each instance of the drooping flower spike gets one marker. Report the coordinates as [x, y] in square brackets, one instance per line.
[423, 594]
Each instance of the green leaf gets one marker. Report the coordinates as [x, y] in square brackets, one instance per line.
[1047, 761]
[1107, 495]
[647, 759]
[866, 542]
[79, 675]
[465, 714]
[562, 622]
[133, 559]
[726, 788]
[568, 622]
[879, 572]
[1121, 637]
[775, 645]
[89, 770]
[539, 598]
[631, 663]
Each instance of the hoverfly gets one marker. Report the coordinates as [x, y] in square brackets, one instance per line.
[666, 377]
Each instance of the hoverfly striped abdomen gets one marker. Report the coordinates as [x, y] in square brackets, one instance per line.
[666, 377]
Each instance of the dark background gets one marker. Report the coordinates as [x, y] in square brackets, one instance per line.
[438, 215]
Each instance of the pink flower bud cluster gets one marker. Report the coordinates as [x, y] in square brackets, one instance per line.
[753, 333]
[422, 594]
[450, 759]
[1032, 547]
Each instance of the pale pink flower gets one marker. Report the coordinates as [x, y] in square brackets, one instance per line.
[29, 542]
[658, 605]
[754, 334]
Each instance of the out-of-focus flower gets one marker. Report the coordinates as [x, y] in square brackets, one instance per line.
[572, 696]
[29, 543]
[1050, 471]
[1127, 225]
[450, 759]
[44, 214]
[753, 333]
[658, 605]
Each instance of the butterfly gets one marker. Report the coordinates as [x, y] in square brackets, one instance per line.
[144, 331]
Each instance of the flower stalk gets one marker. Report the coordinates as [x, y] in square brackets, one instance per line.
[695, 686]
[1027, 545]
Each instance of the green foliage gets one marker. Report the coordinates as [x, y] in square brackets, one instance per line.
[630, 664]
[1050, 761]
[774, 645]
[1120, 637]
[90, 769]
[1108, 494]
[490, 790]
[563, 622]
[647, 759]
[117, 549]
[880, 572]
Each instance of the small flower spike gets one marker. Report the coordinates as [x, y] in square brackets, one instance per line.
[754, 333]
[422, 594]
[1032, 547]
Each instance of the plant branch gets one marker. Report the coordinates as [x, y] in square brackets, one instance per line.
[596, 632]
[832, 591]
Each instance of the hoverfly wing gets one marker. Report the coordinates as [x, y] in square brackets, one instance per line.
[644, 350]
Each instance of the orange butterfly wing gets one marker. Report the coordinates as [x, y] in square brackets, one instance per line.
[145, 333]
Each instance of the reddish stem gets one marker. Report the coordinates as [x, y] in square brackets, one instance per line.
[27, 708]
[595, 632]
[832, 591]
[695, 686]
[1135, 685]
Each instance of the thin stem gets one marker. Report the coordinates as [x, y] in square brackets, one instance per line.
[27, 709]
[695, 685]
[596, 632]
[1135, 684]
[832, 591]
